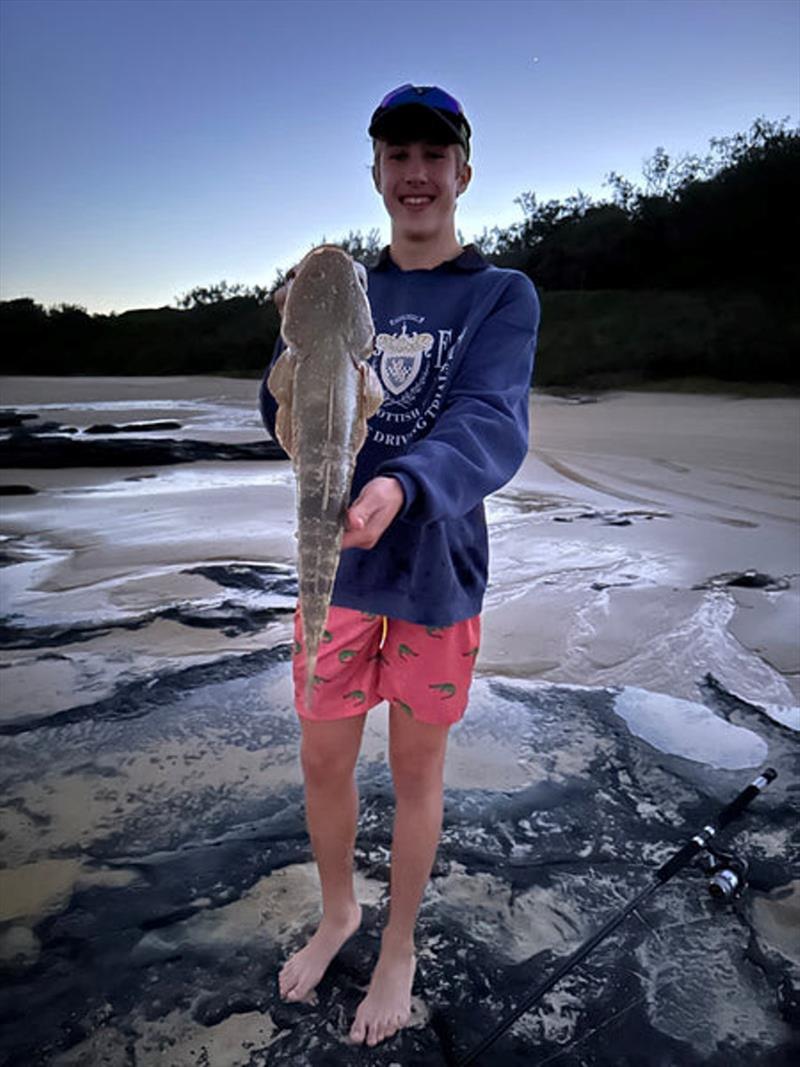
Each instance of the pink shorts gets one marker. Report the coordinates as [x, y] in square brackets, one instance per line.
[364, 659]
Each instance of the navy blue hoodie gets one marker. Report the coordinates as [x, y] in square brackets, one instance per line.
[454, 350]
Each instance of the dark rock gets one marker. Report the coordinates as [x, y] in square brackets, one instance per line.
[264, 577]
[229, 617]
[733, 709]
[15, 422]
[608, 518]
[17, 490]
[135, 699]
[542, 796]
[21, 432]
[11, 419]
[133, 427]
[26, 450]
[212, 1011]
[789, 1001]
[751, 579]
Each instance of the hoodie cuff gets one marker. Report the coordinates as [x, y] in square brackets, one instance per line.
[407, 484]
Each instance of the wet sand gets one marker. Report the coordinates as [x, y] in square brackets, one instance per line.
[153, 809]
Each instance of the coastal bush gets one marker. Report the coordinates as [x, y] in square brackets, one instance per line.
[606, 338]
[690, 274]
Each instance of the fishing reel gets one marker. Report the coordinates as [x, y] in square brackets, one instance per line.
[726, 873]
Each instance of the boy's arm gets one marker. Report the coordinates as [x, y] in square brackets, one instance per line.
[267, 404]
[480, 439]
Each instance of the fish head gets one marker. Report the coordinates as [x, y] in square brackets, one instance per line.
[327, 305]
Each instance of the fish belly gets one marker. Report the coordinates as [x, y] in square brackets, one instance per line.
[326, 402]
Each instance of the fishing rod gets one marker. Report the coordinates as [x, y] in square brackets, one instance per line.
[727, 878]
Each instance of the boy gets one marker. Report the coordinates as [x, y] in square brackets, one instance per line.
[455, 339]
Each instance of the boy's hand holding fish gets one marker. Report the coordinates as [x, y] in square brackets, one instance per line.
[370, 515]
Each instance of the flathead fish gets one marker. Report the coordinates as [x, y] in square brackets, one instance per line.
[326, 390]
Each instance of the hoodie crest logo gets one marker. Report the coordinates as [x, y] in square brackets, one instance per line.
[401, 358]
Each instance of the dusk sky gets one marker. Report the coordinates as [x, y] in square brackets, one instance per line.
[151, 146]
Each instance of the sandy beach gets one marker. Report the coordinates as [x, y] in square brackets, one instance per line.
[640, 658]
[646, 495]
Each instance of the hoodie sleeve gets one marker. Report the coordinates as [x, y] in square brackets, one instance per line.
[267, 404]
[480, 437]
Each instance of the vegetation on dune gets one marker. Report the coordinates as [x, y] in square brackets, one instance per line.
[693, 272]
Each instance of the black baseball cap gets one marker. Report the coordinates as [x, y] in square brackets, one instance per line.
[413, 112]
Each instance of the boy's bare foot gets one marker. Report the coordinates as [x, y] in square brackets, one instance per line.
[387, 1005]
[304, 970]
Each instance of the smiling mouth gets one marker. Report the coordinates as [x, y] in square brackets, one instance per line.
[416, 201]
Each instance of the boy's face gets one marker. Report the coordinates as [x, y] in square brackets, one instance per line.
[419, 182]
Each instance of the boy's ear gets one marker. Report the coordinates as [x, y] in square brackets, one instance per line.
[464, 178]
[376, 176]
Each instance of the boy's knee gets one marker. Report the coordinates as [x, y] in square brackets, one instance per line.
[416, 772]
[322, 765]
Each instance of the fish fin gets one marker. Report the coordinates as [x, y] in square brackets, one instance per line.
[361, 274]
[371, 390]
[281, 384]
[370, 398]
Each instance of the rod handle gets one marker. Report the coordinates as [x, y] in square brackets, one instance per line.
[738, 804]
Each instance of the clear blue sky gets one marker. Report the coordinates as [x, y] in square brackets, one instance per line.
[154, 145]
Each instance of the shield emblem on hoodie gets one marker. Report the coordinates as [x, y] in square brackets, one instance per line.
[401, 358]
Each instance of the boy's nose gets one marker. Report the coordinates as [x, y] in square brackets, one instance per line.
[417, 173]
[417, 169]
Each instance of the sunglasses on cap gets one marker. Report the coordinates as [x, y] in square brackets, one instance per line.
[430, 95]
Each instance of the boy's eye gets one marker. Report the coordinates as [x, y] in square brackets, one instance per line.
[431, 153]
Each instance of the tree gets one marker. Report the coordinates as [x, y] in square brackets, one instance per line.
[202, 296]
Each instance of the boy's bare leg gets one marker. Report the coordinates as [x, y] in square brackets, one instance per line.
[416, 754]
[328, 754]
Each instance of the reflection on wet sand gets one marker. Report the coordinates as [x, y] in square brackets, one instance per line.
[155, 865]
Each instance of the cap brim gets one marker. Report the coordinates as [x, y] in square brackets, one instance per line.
[416, 122]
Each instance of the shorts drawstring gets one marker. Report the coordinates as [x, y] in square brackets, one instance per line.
[384, 630]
